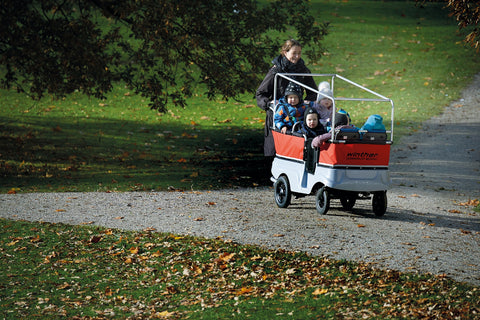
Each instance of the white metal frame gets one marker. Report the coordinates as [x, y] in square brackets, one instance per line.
[333, 76]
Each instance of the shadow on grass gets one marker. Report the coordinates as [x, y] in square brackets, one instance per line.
[95, 154]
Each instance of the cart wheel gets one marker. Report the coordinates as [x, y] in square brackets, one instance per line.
[348, 200]
[379, 203]
[322, 200]
[283, 196]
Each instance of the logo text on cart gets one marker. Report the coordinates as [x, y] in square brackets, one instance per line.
[362, 156]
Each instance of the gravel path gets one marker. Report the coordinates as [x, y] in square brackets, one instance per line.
[426, 227]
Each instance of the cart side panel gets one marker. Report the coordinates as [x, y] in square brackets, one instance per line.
[288, 145]
[355, 154]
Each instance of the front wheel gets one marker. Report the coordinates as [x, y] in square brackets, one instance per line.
[379, 203]
[348, 200]
[283, 195]
[322, 200]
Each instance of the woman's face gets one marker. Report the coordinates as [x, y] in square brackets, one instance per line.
[294, 54]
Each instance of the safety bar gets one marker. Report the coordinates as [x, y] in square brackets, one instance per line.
[333, 76]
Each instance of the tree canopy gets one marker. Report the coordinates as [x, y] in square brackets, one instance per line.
[160, 48]
[467, 14]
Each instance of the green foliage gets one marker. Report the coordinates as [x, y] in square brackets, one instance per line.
[160, 49]
[56, 270]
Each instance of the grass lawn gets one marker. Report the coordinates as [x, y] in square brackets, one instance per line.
[50, 271]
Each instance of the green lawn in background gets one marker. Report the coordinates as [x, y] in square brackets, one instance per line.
[408, 53]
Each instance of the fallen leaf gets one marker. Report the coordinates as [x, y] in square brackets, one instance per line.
[361, 225]
[134, 250]
[226, 257]
[95, 239]
[108, 291]
[319, 291]
[454, 211]
[290, 271]
[63, 286]
[471, 202]
[244, 290]
[164, 314]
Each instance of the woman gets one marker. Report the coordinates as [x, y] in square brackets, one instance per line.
[289, 61]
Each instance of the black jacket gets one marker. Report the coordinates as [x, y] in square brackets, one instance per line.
[265, 91]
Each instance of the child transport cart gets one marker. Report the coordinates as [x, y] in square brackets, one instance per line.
[351, 166]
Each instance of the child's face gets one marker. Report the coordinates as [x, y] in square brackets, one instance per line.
[327, 103]
[293, 99]
[312, 120]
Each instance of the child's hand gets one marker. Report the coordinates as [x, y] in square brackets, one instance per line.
[284, 130]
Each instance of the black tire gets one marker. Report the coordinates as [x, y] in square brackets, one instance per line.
[283, 195]
[379, 203]
[322, 200]
[348, 200]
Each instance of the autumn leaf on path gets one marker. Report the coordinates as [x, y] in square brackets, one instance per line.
[471, 202]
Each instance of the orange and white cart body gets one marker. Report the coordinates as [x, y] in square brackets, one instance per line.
[346, 167]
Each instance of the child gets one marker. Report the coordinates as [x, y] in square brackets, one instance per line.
[290, 108]
[311, 127]
[323, 105]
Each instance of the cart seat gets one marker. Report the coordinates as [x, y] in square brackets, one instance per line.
[375, 136]
[348, 134]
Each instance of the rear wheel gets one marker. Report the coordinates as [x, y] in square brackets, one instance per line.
[322, 200]
[348, 200]
[379, 203]
[283, 195]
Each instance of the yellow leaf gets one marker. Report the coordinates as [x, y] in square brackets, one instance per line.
[245, 290]
[134, 250]
[164, 314]
[157, 254]
[319, 291]
[227, 256]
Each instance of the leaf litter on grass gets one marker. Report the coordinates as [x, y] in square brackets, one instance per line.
[61, 270]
